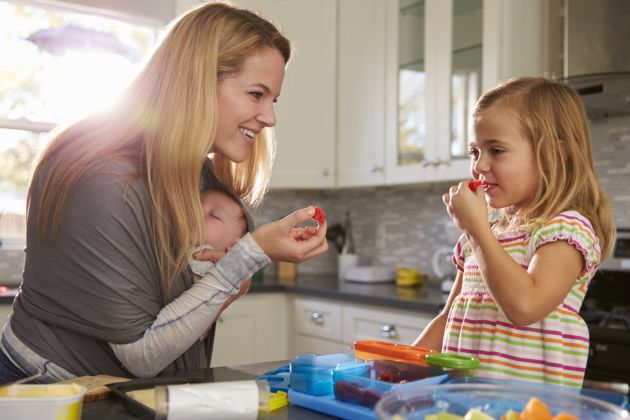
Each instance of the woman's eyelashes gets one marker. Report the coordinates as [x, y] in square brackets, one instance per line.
[259, 95]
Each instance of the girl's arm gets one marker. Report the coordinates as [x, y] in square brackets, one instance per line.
[527, 296]
[432, 335]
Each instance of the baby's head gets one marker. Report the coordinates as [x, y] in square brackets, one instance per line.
[551, 117]
[225, 219]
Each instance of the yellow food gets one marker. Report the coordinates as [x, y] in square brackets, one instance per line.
[39, 391]
[144, 396]
[511, 415]
[476, 414]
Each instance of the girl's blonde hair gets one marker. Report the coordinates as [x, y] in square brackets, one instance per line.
[166, 124]
[552, 116]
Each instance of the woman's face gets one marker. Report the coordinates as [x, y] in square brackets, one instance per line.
[246, 101]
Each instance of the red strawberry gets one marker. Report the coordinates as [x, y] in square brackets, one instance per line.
[319, 216]
[473, 185]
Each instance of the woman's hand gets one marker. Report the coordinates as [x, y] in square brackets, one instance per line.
[468, 209]
[283, 241]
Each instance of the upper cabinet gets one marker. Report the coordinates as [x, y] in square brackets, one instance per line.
[306, 110]
[429, 60]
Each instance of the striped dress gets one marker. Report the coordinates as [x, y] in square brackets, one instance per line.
[553, 350]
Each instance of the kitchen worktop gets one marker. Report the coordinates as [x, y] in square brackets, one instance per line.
[425, 298]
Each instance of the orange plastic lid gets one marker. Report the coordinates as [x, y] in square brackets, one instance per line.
[398, 351]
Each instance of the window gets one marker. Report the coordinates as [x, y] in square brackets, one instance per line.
[57, 65]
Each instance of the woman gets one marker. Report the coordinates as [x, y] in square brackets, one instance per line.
[113, 209]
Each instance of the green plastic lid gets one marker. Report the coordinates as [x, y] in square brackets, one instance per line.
[451, 360]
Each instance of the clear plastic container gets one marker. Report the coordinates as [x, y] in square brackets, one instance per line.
[42, 402]
[313, 374]
[365, 383]
[416, 402]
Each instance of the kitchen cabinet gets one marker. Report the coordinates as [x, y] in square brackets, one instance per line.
[253, 329]
[323, 326]
[361, 92]
[407, 86]
[306, 110]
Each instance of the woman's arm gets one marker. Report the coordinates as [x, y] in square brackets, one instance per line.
[432, 335]
[180, 323]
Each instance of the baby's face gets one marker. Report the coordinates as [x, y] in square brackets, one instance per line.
[224, 223]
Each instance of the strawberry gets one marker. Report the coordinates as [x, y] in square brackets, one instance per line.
[320, 215]
[473, 185]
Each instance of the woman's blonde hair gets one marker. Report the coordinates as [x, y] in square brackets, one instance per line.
[552, 116]
[166, 124]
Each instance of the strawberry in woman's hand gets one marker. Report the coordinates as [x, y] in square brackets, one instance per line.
[474, 184]
[319, 216]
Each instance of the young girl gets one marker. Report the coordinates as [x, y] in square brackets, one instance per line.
[522, 278]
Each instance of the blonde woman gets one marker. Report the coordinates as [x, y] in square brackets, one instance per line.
[521, 279]
[113, 209]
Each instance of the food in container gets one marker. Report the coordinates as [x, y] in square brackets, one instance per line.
[42, 402]
[494, 400]
[365, 383]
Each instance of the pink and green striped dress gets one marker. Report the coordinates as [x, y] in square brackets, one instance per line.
[553, 350]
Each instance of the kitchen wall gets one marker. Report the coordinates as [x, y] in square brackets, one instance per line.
[404, 226]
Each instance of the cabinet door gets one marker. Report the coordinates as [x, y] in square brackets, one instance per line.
[304, 344]
[252, 329]
[361, 93]
[305, 112]
[317, 318]
[369, 323]
[418, 130]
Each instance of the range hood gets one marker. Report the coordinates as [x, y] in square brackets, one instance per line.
[597, 54]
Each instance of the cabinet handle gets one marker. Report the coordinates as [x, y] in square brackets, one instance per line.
[376, 169]
[220, 320]
[317, 318]
[325, 172]
[389, 331]
[435, 163]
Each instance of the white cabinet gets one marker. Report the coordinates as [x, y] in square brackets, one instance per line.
[252, 329]
[317, 327]
[361, 92]
[306, 110]
[407, 86]
[323, 326]
[362, 322]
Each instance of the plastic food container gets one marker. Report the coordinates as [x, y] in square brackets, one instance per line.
[313, 374]
[365, 383]
[42, 402]
[416, 402]
[375, 350]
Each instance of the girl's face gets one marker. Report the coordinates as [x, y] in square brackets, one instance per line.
[246, 101]
[504, 159]
[224, 222]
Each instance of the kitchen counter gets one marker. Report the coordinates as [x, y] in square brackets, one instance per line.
[113, 409]
[425, 298]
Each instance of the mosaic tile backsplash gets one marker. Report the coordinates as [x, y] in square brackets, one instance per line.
[406, 225]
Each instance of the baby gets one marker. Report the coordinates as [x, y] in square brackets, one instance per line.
[225, 221]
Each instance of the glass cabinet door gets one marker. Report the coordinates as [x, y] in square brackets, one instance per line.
[466, 71]
[412, 100]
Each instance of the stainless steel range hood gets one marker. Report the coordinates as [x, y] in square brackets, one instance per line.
[597, 54]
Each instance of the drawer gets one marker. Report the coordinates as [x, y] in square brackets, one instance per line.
[317, 318]
[361, 323]
[319, 346]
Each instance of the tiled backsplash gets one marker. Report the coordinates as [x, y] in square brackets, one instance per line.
[404, 226]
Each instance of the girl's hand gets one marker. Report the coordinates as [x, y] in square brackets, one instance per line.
[468, 209]
[283, 241]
